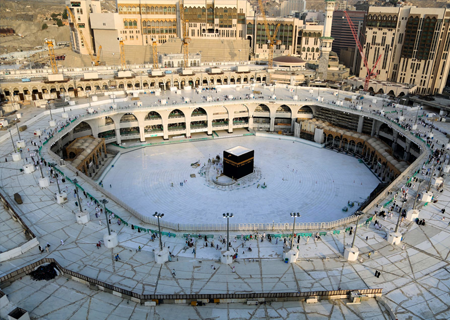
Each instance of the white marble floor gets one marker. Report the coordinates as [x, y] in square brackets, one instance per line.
[316, 182]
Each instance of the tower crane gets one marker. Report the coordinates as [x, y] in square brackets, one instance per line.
[155, 54]
[371, 73]
[270, 39]
[186, 39]
[95, 60]
[51, 55]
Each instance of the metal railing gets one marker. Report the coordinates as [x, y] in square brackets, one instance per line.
[172, 297]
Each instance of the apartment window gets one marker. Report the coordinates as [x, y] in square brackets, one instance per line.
[400, 38]
[383, 40]
[374, 38]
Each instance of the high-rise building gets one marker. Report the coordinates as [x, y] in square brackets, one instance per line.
[289, 7]
[413, 44]
[228, 22]
[81, 10]
[344, 43]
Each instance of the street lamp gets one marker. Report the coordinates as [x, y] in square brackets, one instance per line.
[12, 140]
[53, 165]
[431, 179]
[104, 201]
[50, 108]
[417, 196]
[75, 181]
[356, 228]
[294, 215]
[159, 216]
[39, 164]
[18, 133]
[228, 216]
[399, 216]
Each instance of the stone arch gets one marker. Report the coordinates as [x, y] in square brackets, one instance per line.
[198, 112]
[305, 109]
[152, 115]
[386, 129]
[128, 117]
[108, 121]
[284, 109]
[262, 108]
[176, 113]
[82, 126]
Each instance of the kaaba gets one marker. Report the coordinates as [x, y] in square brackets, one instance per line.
[238, 162]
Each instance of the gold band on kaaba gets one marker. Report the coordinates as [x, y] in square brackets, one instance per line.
[238, 164]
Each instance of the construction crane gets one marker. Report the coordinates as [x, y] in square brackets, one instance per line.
[270, 39]
[186, 39]
[51, 55]
[95, 60]
[371, 73]
[155, 54]
[123, 61]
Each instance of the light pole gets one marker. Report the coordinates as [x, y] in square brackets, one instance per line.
[356, 228]
[417, 196]
[12, 140]
[75, 181]
[431, 179]
[228, 216]
[159, 216]
[294, 215]
[18, 133]
[39, 164]
[104, 201]
[52, 165]
[50, 108]
[399, 216]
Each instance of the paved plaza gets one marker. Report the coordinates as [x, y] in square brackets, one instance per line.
[415, 278]
[316, 181]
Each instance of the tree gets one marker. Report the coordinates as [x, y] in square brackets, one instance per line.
[44, 26]
[64, 15]
[59, 23]
[54, 16]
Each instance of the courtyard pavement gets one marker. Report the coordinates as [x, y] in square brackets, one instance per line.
[415, 279]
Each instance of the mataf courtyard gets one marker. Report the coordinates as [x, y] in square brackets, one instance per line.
[299, 177]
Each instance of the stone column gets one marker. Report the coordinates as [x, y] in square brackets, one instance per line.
[374, 124]
[142, 133]
[118, 139]
[272, 124]
[360, 124]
